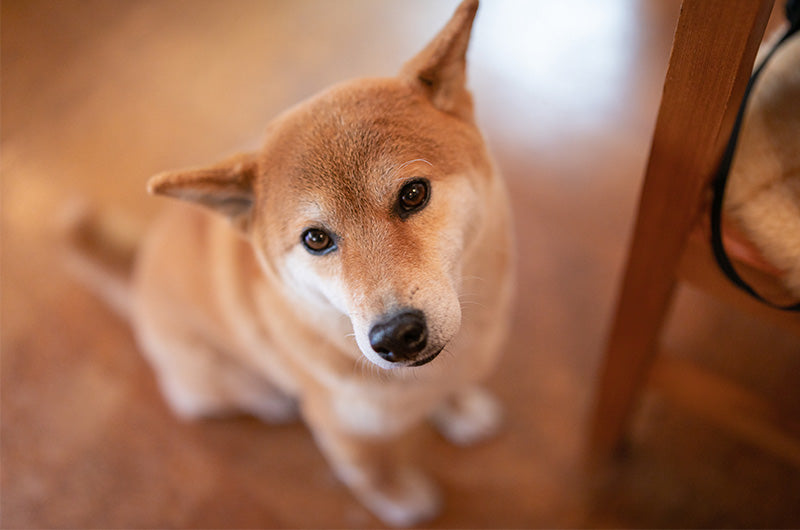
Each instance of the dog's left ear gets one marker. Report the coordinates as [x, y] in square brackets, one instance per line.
[226, 187]
[440, 68]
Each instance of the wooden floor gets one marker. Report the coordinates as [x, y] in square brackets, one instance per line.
[98, 95]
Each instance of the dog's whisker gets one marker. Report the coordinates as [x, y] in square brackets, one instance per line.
[368, 369]
[364, 368]
[467, 297]
[393, 171]
[404, 164]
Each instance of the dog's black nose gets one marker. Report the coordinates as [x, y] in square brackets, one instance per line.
[400, 337]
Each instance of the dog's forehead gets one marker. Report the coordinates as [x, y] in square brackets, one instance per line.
[356, 139]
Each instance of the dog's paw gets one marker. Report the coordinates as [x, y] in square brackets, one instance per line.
[409, 498]
[468, 417]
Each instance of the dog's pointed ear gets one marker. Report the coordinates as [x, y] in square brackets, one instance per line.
[226, 187]
[440, 68]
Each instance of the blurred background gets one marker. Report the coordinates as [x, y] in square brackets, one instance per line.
[99, 95]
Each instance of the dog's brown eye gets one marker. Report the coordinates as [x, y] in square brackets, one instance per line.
[413, 196]
[318, 241]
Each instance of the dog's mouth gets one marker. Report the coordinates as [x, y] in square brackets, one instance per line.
[427, 359]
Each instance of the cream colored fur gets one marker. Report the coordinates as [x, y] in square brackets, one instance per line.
[763, 193]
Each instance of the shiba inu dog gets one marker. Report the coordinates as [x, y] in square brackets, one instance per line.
[327, 273]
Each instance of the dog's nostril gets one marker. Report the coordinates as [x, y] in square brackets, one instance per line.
[400, 337]
[413, 336]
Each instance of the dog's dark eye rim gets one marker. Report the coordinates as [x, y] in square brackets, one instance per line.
[413, 196]
[318, 241]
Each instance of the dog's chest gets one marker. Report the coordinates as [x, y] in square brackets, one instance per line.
[372, 411]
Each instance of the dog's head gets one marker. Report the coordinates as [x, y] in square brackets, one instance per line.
[367, 198]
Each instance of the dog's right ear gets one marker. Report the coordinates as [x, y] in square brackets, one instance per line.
[440, 68]
[226, 188]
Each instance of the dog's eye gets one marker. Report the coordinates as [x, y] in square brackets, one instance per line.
[413, 196]
[318, 241]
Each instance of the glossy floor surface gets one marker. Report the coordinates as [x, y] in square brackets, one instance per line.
[97, 96]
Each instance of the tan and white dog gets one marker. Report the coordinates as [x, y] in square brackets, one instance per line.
[328, 271]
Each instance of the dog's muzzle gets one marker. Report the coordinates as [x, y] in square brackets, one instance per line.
[402, 338]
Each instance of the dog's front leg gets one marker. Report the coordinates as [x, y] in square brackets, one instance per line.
[380, 471]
